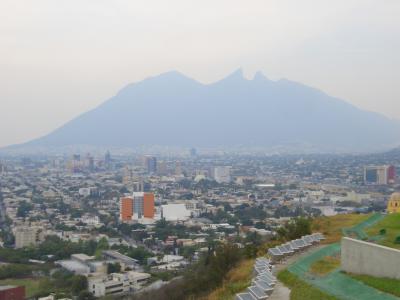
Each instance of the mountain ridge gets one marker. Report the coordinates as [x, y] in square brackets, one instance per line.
[173, 109]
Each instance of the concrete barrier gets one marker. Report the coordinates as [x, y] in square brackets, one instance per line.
[361, 257]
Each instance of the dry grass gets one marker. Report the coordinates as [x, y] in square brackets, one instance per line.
[31, 285]
[324, 266]
[331, 227]
[237, 280]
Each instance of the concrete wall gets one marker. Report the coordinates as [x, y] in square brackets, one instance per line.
[361, 257]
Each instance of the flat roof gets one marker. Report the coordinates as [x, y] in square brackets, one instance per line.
[7, 287]
[119, 256]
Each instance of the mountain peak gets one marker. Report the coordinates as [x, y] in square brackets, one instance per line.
[259, 76]
[237, 74]
[171, 75]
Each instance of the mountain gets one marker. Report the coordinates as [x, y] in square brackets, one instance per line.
[174, 110]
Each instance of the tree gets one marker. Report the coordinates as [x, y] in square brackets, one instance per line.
[101, 245]
[113, 268]
[295, 229]
[86, 295]
[23, 209]
[259, 225]
[78, 284]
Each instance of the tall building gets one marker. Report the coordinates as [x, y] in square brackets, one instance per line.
[394, 203]
[380, 175]
[178, 168]
[127, 178]
[139, 205]
[126, 209]
[222, 174]
[75, 164]
[391, 174]
[162, 168]
[28, 236]
[107, 159]
[193, 152]
[89, 162]
[150, 163]
[138, 186]
[2, 168]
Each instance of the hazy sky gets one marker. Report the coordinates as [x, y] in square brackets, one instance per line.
[59, 58]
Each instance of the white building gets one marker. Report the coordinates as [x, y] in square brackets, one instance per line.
[28, 236]
[117, 283]
[91, 220]
[112, 284]
[83, 264]
[175, 212]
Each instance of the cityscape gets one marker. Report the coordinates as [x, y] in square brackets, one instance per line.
[131, 225]
[199, 150]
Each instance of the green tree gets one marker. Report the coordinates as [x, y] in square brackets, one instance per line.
[295, 229]
[113, 268]
[86, 295]
[23, 209]
[78, 284]
[101, 246]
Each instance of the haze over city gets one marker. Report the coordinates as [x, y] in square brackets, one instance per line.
[199, 150]
[61, 58]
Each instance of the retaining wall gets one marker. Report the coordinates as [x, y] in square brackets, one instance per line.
[361, 257]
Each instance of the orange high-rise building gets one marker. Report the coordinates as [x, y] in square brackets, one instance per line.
[140, 205]
[126, 208]
[148, 205]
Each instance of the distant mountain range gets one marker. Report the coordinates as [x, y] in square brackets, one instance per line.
[174, 110]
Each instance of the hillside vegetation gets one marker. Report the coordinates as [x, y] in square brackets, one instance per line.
[387, 285]
[301, 290]
[332, 227]
[387, 230]
[325, 265]
[236, 281]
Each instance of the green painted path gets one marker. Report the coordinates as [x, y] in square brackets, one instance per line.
[358, 230]
[336, 283]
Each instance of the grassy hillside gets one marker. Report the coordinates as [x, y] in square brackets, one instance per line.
[325, 265]
[391, 223]
[239, 278]
[387, 285]
[236, 281]
[300, 290]
[331, 227]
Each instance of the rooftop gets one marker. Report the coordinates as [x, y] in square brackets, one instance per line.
[7, 287]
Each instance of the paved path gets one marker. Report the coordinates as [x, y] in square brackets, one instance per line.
[281, 292]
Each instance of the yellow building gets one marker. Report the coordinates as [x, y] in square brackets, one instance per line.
[394, 203]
